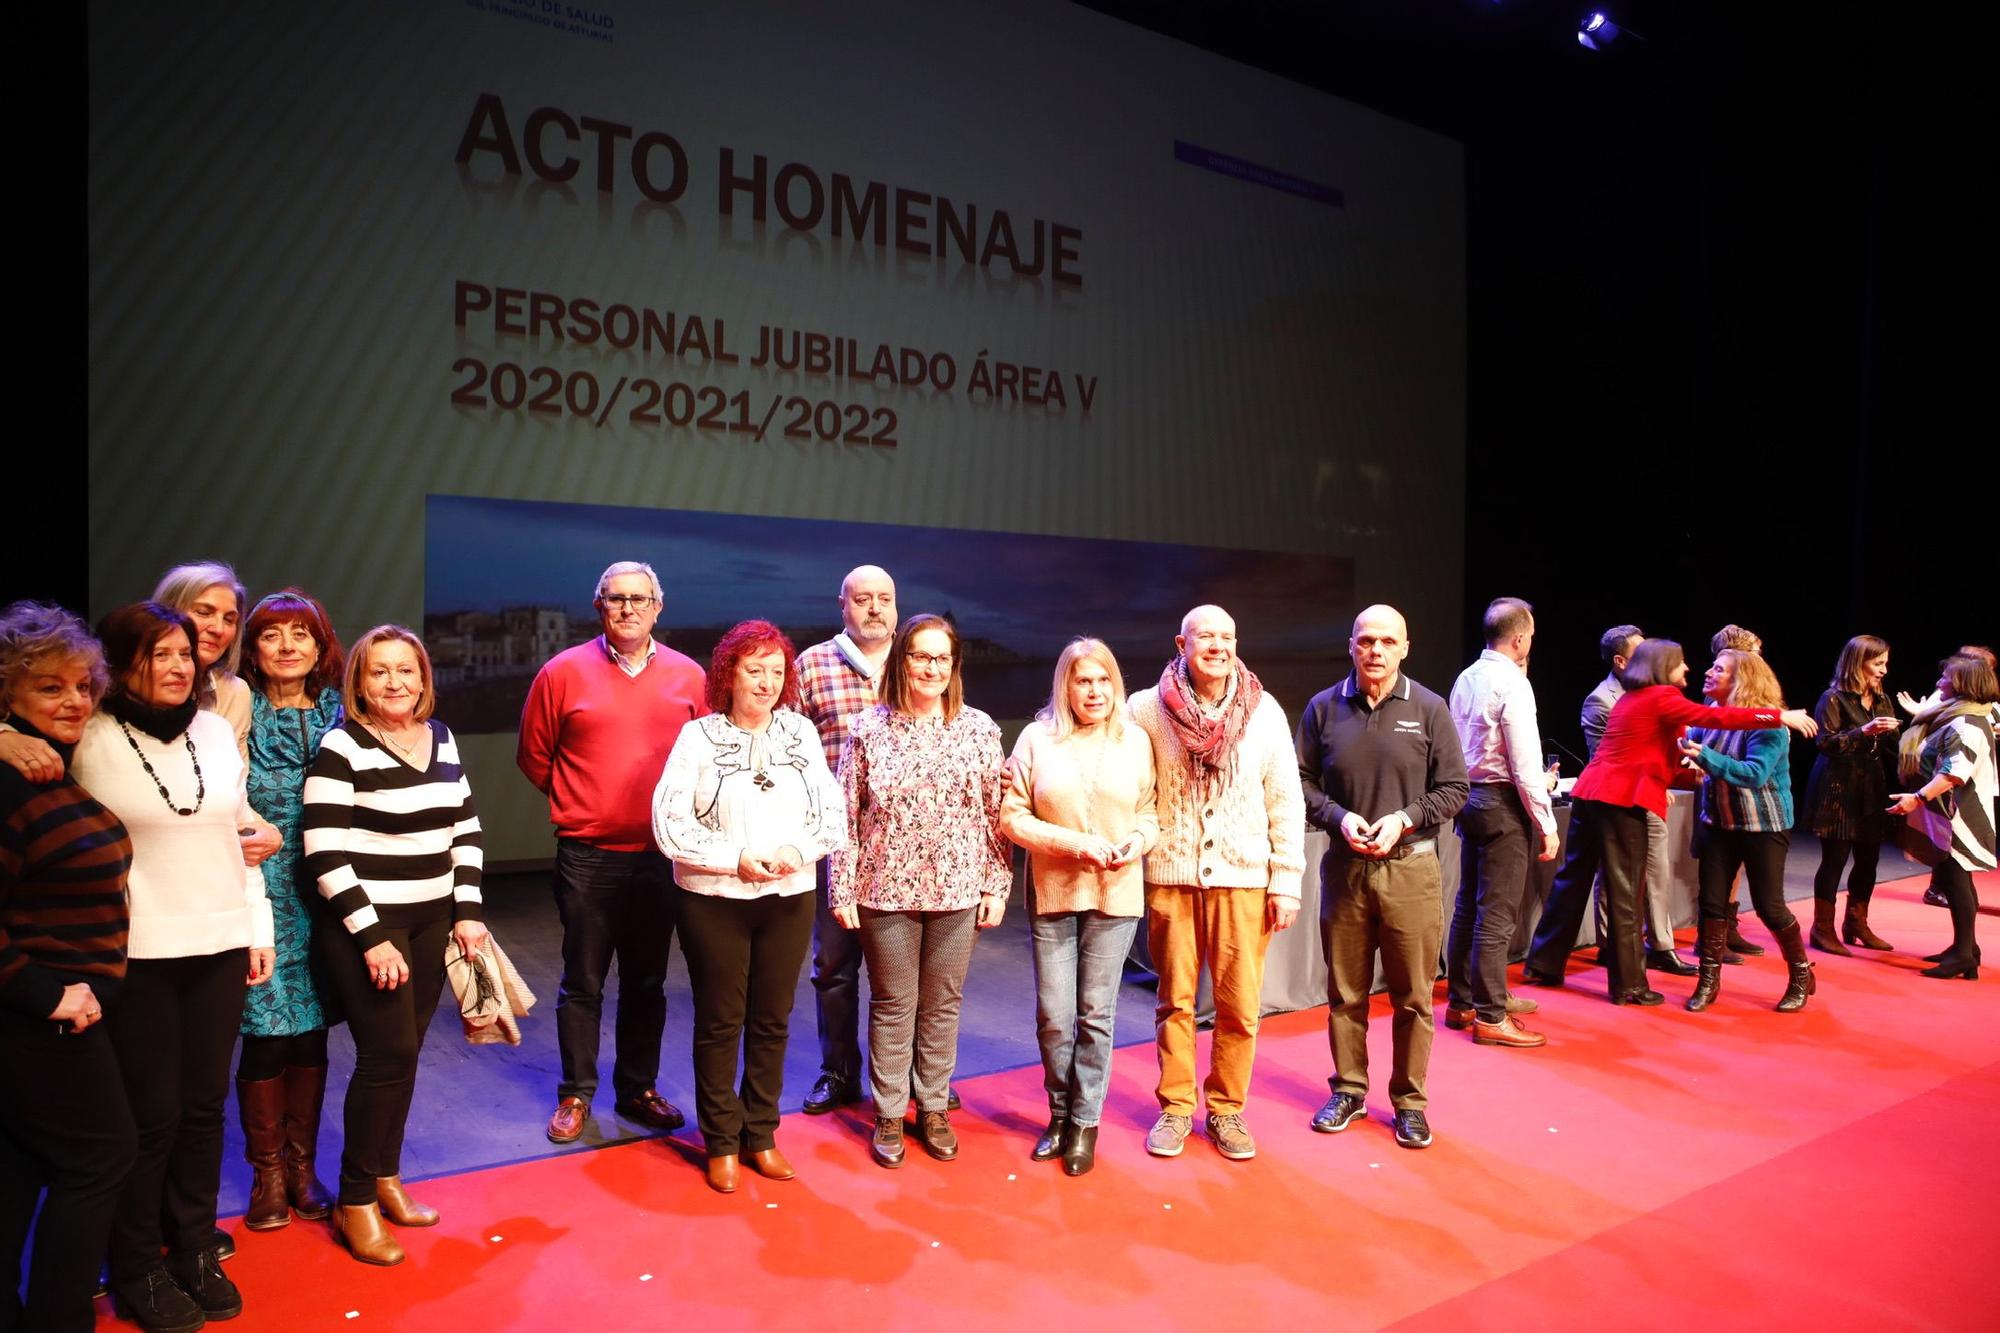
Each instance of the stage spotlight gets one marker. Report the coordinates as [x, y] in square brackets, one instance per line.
[1597, 31]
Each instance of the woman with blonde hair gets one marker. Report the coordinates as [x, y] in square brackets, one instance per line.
[1746, 822]
[393, 840]
[1079, 799]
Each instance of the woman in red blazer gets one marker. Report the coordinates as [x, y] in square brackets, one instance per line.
[1629, 775]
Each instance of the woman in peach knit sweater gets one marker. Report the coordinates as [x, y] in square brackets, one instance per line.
[1080, 800]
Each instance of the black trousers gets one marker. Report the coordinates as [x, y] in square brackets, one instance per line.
[1761, 858]
[836, 978]
[388, 1028]
[1497, 844]
[1955, 882]
[64, 1127]
[612, 904]
[173, 1028]
[1612, 837]
[743, 958]
[1833, 854]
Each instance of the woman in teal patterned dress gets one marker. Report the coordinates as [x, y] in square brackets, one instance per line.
[293, 665]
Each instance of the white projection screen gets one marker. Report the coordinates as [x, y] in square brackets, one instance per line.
[1016, 269]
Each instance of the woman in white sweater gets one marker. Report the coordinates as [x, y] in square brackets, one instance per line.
[201, 930]
[1080, 800]
[745, 807]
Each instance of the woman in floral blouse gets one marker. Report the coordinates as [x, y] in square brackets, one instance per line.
[925, 869]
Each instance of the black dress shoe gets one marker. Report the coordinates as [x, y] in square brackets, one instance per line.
[1534, 978]
[1644, 996]
[1669, 962]
[156, 1303]
[829, 1092]
[886, 1147]
[1050, 1145]
[1079, 1153]
[200, 1275]
[951, 1101]
[1935, 897]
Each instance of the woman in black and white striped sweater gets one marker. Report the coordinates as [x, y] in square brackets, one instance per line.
[393, 840]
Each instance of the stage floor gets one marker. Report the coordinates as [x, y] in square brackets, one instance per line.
[1735, 1168]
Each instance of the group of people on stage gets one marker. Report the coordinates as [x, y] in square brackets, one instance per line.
[172, 790]
[211, 829]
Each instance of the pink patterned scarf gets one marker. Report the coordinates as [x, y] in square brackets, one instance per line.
[1210, 742]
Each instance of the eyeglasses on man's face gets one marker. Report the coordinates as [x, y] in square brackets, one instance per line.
[627, 601]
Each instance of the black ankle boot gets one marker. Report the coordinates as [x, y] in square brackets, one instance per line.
[1050, 1145]
[1708, 981]
[1802, 981]
[1080, 1149]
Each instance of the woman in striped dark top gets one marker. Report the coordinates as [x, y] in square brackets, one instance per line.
[393, 841]
[63, 862]
[1746, 823]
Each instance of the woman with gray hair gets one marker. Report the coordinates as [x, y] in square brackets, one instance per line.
[64, 1121]
[209, 593]
[1079, 800]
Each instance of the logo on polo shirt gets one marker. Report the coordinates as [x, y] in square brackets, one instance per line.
[1409, 726]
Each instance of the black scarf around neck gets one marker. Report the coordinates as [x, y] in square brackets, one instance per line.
[162, 724]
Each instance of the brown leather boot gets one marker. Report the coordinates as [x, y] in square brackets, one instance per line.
[1802, 982]
[305, 1093]
[1708, 978]
[399, 1207]
[1855, 928]
[366, 1236]
[1824, 937]
[261, 1103]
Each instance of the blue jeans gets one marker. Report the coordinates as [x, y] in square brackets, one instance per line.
[1079, 962]
[612, 904]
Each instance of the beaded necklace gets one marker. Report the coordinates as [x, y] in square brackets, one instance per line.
[200, 786]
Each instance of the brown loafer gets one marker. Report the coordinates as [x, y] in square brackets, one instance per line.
[1507, 1032]
[365, 1235]
[1458, 1020]
[723, 1174]
[566, 1125]
[771, 1164]
[399, 1207]
[651, 1109]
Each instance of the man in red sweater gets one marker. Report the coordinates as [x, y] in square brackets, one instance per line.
[595, 733]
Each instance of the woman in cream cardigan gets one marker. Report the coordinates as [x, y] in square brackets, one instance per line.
[1080, 800]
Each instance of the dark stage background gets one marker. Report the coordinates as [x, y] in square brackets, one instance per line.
[1726, 328]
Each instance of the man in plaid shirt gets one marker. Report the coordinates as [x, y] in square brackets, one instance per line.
[838, 680]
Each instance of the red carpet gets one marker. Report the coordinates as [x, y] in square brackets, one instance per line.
[1652, 1168]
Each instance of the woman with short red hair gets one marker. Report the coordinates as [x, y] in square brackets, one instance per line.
[745, 807]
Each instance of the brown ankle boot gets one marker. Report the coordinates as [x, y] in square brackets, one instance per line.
[261, 1104]
[399, 1207]
[366, 1236]
[1824, 937]
[305, 1093]
[1855, 928]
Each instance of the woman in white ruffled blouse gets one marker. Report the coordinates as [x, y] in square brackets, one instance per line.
[745, 807]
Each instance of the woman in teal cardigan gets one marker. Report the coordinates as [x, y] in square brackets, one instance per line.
[1746, 823]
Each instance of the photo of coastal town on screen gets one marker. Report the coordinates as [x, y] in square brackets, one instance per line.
[508, 584]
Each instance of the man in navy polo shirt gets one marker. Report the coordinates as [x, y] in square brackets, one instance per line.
[1383, 771]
